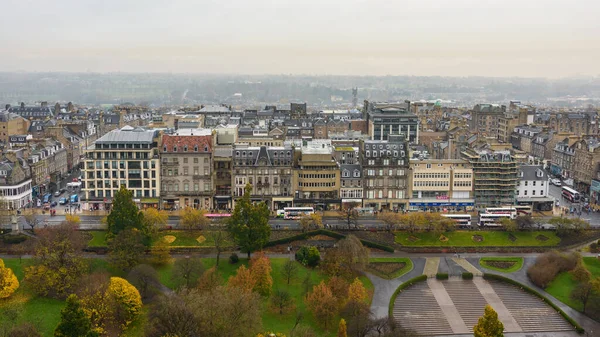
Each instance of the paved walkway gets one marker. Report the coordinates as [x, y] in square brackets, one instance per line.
[384, 289]
[445, 302]
[490, 296]
[431, 266]
[467, 266]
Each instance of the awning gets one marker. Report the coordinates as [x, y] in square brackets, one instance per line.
[149, 201]
[441, 203]
[538, 199]
[283, 199]
[352, 200]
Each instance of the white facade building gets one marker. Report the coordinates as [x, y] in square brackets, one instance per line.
[533, 182]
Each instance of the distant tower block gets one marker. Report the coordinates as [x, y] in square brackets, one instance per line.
[354, 97]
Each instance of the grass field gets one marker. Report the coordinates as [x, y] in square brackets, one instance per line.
[518, 263]
[389, 273]
[98, 239]
[190, 238]
[563, 284]
[465, 239]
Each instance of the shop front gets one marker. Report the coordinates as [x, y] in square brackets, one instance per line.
[148, 203]
[282, 202]
[595, 192]
[436, 205]
[318, 204]
[223, 202]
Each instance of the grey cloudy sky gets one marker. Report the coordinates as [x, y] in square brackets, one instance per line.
[547, 38]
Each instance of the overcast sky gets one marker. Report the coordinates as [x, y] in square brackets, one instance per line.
[544, 38]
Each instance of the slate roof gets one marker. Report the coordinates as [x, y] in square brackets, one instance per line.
[531, 172]
[352, 169]
[128, 136]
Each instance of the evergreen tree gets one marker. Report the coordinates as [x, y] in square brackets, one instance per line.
[342, 331]
[489, 325]
[125, 214]
[73, 321]
[249, 223]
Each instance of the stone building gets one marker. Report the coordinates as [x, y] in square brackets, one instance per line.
[440, 184]
[15, 182]
[562, 157]
[12, 124]
[316, 176]
[268, 169]
[585, 162]
[187, 171]
[485, 117]
[351, 189]
[386, 119]
[384, 164]
[533, 188]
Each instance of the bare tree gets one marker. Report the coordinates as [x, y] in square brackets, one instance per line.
[349, 213]
[188, 270]
[219, 238]
[289, 270]
[32, 221]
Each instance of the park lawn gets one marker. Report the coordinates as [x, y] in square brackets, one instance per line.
[98, 239]
[225, 269]
[517, 266]
[563, 284]
[397, 273]
[465, 239]
[184, 238]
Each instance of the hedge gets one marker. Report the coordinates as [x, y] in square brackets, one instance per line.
[467, 276]
[441, 276]
[571, 321]
[403, 286]
[14, 239]
[331, 234]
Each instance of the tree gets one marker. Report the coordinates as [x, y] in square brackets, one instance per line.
[282, 301]
[581, 274]
[58, 263]
[508, 224]
[438, 224]
[289, 270]
[358, 316]
[357, 291]
[32, 221]
[524, 222]
[339, 289]
[145, 279]
[349, 213]
[249, 223]
[73, 321]
[219, 238]
[308, 256]
[187, 270]
[126, 249]
[8, 281]
[171, 316]
[582, 293]
[489, 325]
[127, 300]
[193, 219]
[125, 215]
[414, 221]
[72, 219]
[342, 331]
[390, 219]
[209, 280]
[310, 221]
[243, 279]
[223, 309]
[155, 219]
[567, 226]
[348, 259]
[323, 305]
[98, 307]
[161, 253]
[260, 269]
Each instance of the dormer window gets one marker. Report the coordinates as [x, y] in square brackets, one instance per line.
[356, 174]
[165, 148]
[175, 148]
[185, 148]
[205, 148]
[345, 174]
[195, 148]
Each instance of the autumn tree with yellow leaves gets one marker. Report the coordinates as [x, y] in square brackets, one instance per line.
[8, 281]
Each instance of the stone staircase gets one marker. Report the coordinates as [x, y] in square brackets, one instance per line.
[532, 314]
[416, 309]
[467, 299]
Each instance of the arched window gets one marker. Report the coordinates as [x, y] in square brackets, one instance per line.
[185, 148]
[175, 148]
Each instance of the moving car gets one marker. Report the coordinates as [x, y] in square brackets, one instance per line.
[556, 182]
[63, 201]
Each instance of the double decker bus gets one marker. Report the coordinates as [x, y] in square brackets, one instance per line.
[524, 210]
[462, 220]
[492, 220]
[294, 213]
[570, 194]
[510, 210]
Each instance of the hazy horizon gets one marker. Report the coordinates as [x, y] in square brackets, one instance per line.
[362, 37]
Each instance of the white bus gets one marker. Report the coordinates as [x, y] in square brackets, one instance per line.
[492, 219]
[462, 220]
[502, 210]
[294, 213]
[570, 194]
[524, 210]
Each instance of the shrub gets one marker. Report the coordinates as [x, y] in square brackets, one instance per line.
[594, 248]
[467, 276]
[234, 258]
[14, 239]
[308, 256]
[548, 265]
[441, 276]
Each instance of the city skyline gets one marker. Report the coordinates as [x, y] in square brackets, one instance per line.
[459, 38]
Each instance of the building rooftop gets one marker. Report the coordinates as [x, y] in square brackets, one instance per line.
[128, 135]
[532, 172]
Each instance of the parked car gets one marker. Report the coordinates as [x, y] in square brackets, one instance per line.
[63, 190]
[556, 182]
[57, 193]
[63, 201]
[53, 204]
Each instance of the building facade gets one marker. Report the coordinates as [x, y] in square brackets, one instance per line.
[585, 162]
[495, 177]
[385, 119]
[187, 171]
[384, 164]
[533, 188]
[440, 185]
[126, 157]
